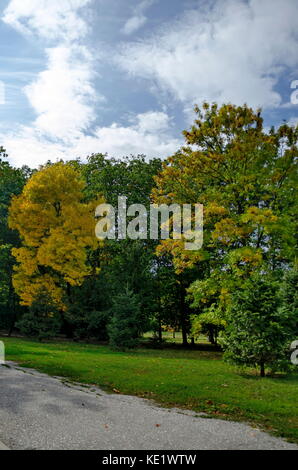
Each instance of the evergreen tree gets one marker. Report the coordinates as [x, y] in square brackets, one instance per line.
[125, 326]
[259, 329]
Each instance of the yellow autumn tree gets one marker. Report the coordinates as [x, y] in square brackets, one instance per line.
[56, 227]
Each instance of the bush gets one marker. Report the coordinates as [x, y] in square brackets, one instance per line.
[42, 320]
[87, 324]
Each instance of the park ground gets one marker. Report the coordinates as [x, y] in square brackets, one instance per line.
[194, 379]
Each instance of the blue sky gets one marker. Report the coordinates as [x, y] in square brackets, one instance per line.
[122, 76]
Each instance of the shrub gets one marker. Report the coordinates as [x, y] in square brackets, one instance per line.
[42, 320]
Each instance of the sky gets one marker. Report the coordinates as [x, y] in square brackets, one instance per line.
[122, 76]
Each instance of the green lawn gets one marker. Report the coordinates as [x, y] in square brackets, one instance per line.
[169, 337]
[198, 380]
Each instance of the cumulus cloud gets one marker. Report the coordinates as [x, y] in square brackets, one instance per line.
[138, 19]
[64, 98]
[27, 146]
[49, 19]
[62, 95]
[148, 133]
[227, 50]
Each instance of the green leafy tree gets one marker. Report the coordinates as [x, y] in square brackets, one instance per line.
[210, 323]
[259, 328]
[290, 295]
[246, 179]
[130, 263]
[12, 181]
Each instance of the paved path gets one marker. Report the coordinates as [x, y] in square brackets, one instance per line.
[42, 412]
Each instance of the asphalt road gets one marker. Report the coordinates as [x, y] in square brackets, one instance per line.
[42, 412]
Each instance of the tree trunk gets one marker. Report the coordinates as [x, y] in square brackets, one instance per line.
[211, 337]
[184, 336]
[262, 369]
[159, 331]
[11, 326]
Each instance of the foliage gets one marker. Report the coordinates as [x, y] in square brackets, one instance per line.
[12, 181]
[246, 179]
[244, 176]
[125, 325]
[42, 320]
[56, 227]
[209, 323]
[259, 328]
[290, 294]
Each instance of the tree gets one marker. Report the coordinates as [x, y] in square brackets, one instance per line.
[289, 294]
[246, 179]
[209, 323]
[42, 320]
[56, 228]
[11, 183]
[125, 326]
[259, 329]
[129, 264]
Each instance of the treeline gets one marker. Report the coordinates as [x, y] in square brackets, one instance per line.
[239, 289]
[67, 282]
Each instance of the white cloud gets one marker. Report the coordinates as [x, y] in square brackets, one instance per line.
[26, 146]
[138, 20]
[149, 133]
[61, 95]
[49, 19]
[133, 24]
[64, 98]
[234, 50]
[153, 121]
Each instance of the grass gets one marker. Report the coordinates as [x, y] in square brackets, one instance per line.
[176, 338]
[192, 379]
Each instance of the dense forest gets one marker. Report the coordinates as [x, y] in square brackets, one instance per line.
[239, 289]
